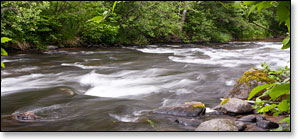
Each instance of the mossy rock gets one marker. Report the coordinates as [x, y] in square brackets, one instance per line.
[248, 81]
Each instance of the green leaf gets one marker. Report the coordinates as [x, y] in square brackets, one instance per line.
[2, 65]
[258, 89]
[237, 4]
[279, 90]
[286, 43]
[287, 119]
[267, 108]
[96, 19]
[288, 23]
[3, 52]
[114, 5]
[250, 2]
[251, 9]
[276, 113]
[264, 5]
[283, 10]
[283, 106]
[5, 39]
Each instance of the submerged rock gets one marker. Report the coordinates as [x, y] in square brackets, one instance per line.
[191, 109]
[218, 125]
[249, 81]
[235, 106]
[25, 117]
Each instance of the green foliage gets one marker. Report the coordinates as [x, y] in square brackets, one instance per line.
[282, 10]
[4, 40]
[3, 52]
[282, 86]
[74, 23]
[258, 89]
[276, 90]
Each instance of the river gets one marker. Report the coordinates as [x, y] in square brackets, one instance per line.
[109, 89]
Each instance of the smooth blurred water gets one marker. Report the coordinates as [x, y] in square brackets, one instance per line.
[113, 88]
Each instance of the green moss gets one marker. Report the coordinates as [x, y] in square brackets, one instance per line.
[251, 75]
[255, 74]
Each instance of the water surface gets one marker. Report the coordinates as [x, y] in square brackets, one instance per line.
[112, 89]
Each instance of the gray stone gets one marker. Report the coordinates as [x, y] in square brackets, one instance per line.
[248, 118]
[218, 125]
[182, 110]
[237, 106]
[187, 122]
[240, 125]
[267, 124]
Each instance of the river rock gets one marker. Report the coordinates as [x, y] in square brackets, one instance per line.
[267, 124]
[240, 125]
[25, 117]
[186, 122]
[248, 81]
[51, 47]
[218, 125]
[182, 110]
[67, 91]
[248, 118]
[236, 106]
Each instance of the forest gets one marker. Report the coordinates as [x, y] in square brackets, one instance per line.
[67, 23]
[146, 66]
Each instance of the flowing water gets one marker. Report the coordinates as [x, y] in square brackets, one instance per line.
[111, 89]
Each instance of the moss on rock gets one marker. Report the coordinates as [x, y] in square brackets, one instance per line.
[255, 74]
[248, 81]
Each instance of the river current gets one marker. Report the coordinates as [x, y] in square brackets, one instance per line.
[110, 89]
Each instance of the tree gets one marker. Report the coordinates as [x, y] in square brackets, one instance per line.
[281, 87]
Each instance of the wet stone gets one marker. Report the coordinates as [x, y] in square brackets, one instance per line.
[267, 124]
[240, 125]
[218, 125]
[237, 106]
[25, 117]
[182, 110]
[248, 118]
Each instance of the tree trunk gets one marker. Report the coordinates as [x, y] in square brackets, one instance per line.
[183, 18]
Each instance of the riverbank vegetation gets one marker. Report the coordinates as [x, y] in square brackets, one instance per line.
[35, 24]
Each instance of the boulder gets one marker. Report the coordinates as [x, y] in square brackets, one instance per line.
[248, 118]
[236, 106]
[25, 117]
[218, 125]
[248, 81]
[187, 109]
